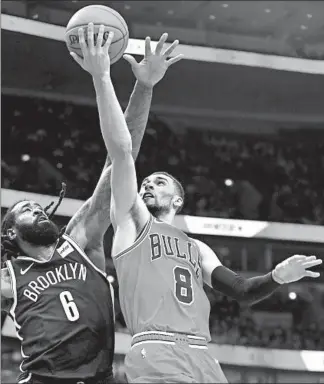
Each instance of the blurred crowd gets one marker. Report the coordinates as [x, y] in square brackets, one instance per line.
[46, 142]
[230, 325]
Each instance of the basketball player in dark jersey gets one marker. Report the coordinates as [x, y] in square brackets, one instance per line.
[62, 304]
[161, 270]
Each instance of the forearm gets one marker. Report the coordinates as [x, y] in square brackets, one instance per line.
[136, 116]
[137, 113]
[247, 291]
[112, 122]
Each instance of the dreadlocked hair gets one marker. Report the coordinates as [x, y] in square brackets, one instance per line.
[9, 247]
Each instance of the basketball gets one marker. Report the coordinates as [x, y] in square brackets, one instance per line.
[98, 14]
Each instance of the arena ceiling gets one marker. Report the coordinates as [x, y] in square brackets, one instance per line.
[288, 28]
[233, 97]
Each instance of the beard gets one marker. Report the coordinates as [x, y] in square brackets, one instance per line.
[157, 210]
[40, 234]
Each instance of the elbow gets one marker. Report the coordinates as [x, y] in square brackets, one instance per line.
[243, 297]
[245, 302]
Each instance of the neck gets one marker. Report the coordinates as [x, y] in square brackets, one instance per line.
[167, 217]
[41, 253]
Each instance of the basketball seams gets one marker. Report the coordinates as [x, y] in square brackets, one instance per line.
[105, 9]
[67, 33]
[100, 15]
[114, 13]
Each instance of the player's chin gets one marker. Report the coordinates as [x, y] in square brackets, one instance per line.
[47, 226]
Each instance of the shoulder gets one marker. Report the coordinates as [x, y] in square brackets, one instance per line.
[6, 289]
[203, 247]
[207, 254]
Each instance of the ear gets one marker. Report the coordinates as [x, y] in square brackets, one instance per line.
[177, 202]
[11, 234]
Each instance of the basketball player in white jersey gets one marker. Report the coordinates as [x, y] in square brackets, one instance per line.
[161, 270]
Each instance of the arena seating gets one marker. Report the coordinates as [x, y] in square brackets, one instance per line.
[224, 175]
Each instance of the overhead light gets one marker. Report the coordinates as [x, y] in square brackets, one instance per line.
[303, 27]
[309, 15]
[228, 182]
[25, 158]
[212, 17]
[170, 12]
[127, 6]
[225, 5]
[267, 10]
[292, 295]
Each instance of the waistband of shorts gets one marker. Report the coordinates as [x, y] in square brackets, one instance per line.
[105, 378]
[169, 338]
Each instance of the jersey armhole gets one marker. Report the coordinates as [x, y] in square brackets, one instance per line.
[13, 283]
[140, 238]
[77, 247]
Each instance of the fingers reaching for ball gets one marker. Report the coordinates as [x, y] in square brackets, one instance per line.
[96, 59]
[160, 44]
[109, 40]
[90, 35]
[100, 37]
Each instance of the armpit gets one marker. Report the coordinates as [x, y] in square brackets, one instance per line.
[6, 289]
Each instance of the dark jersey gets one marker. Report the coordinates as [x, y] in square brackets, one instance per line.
[161, 284]
[63, 312]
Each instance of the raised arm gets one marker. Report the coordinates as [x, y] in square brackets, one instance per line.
[92, 220]
[250, 291]
[112, 123]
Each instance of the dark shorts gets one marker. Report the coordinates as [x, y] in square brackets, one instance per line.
[156, 362]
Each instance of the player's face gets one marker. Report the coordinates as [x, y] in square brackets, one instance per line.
[158, 192]
[33, 225]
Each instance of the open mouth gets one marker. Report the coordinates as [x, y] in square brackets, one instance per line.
[147, 195]
[42, 218]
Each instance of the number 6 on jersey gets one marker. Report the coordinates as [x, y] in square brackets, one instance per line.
[69, 306]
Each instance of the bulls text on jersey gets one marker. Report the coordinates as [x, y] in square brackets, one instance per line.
[171, 247]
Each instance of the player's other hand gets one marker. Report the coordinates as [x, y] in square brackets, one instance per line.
[154, 64]
[95, 59]
[295, 268]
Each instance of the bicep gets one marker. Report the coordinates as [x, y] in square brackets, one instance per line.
[97, 255]
[209, 261]
[89, 224]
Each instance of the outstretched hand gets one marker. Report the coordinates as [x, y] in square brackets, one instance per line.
[155, 64]
[295, 268]
[96, 58]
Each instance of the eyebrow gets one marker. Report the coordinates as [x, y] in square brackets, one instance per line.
[162, 178]
[25, 205]
[158, 177]
[29, 204]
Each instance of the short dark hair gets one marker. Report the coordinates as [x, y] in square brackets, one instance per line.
[178, 187]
